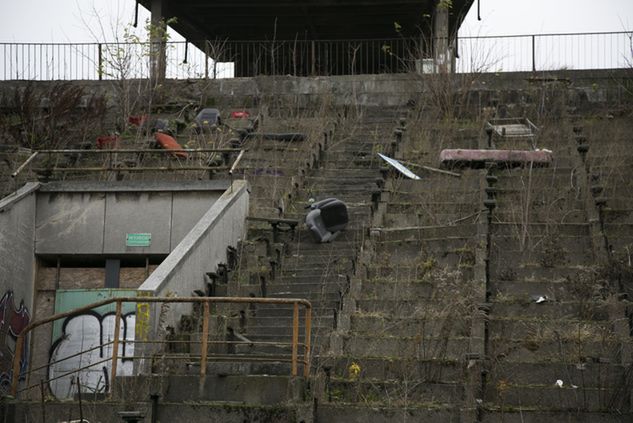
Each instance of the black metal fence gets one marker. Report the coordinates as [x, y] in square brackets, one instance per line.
[539, 52]
[227, 59]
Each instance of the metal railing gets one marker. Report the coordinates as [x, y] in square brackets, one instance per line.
[296, 357]
[118, 161]
[541, 52]
[230, 58]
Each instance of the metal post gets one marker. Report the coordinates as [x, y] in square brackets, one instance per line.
[533, 53]
[204, 341]
[81, 408]
[115, 343]
[206, 59]
[42, 400]
[100, 62]
[313, 60]
[295, 337]
[308, 335]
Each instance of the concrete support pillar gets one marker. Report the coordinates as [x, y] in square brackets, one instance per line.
[158, 47]
[441, 39]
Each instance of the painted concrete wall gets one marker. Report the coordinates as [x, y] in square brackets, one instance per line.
[92, 222]
[17, 270]
[202, 249]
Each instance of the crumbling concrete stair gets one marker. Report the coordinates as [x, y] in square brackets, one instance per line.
[541, 247]
[403, 356]
[348, 169]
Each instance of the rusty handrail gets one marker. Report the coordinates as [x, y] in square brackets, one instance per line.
[142, 150]
[23, 165]
[113, 151]
[206, 301]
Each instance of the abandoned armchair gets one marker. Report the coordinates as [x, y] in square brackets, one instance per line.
[326, 219]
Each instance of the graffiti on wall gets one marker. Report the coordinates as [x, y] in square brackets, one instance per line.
[12, 321]
[86, 343]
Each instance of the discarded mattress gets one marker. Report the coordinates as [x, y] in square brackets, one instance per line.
[169, 143]
[326, 219]
[510, 157]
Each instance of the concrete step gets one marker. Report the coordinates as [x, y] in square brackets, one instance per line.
[538, 229]
[390, 368]
[287, 311]
[326, 321]
[313, 287]
[441, 195]
[593, 375]
[375, 392]
[428, 207]
[346, 413]
[247, 389]
[422, 218]
[561, 251]
[369, 174]
[425, 232]
[409, 308]
[618, 216]
[535, 271]
[330, 260]
[496, 413]
[549, 310]
[551, 397]
[104, 411]
[540, 328]
[561, 290]
[444, 348]
[545, 215]
[467, 183]
[368, 324]
[418, 270]
[368, 162]
[535, 349]
[392, 288]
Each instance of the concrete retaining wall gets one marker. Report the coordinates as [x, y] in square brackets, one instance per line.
[17, 255]
[84, 220]
[201, 250]
[355, 90]
[17, 271]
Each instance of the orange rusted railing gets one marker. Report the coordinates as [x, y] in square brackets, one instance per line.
[204, 342]
[112, 165]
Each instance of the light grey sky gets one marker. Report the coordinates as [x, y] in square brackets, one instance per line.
[97, 20]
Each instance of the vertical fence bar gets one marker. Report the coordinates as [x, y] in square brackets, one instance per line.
[115, 343]
[206, 59]
[100, 61]
[204, 341]
[308, 337]
[313, 70]
[533, 53]
[295, 337]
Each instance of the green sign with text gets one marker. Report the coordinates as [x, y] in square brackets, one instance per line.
[138, 240]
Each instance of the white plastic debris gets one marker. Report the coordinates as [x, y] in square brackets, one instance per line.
[559, 383]
[538, 299]
[400, 167]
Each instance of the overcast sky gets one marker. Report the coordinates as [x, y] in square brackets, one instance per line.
[97, 20]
